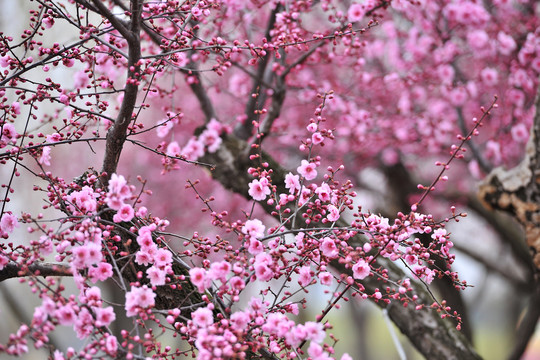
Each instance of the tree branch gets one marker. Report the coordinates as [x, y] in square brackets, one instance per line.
[14, 270]
[117, 134]
[244, 131]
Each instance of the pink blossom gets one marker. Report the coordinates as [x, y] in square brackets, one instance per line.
[255, 247]
[165, 126]
[259, 189]
[262, 269]
[193, 150]
[173, 149]
[179, 59]
[292, 182]
[254, 228]
[66, 314]
[312, 127]
[458, 96]
[506, 43]
[202, 317]
[316, 352]
[211, 139]
[493, 152]
[104, 316]
[84, 324]
[156, 275]
[162, 257]
[520, 133]
[198, 277]
[4, 260]
[355, 13]
[144, 239]
[84, 200]
[86, 255]
[329, 248]
[45, 157]
[111, 345]
[489, 76]
[317, 138]
[240, 320]
[305, 195]
[314, 331]
[304, 276]
[323, 192]
[237, 283]
[446, 73]
[139, 297]
[91, 296]
[307, 170]
[361, 269]
[333, 213]
[8, 223]
[102, 272]
[125, 213]
[477, 39]
[8, 134]
[143, 257]
[219, 270]
[326, 278]
[4, 61]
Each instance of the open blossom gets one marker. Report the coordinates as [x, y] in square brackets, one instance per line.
[259, 189]
[317, 138]
[193, 150]
[304, 276]
[211, 139]
[307, 170]
[333, 213]
[84, 200]
[198, 277]
[139, 297]
[292, 182]
[156, 275]
[8, 134]
[125, 213]
[45, 158]
[356, 12]
[202, 317]
[329, 248]
[326, 278]
[101, 272]
[219, 270]
[8, 223]
[105, 316]
[173, 149]
[323, 192]
[254, 228]
[361, 269]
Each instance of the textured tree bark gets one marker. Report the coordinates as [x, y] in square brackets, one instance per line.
[517, 191]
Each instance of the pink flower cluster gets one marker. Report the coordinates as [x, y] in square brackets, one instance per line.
[210, 139]
[149, 253]
[120, 191]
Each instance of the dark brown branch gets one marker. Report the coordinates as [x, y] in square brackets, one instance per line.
[13, 270]
[244, 131]
[527, 327]
[117, 134]
[123, 28]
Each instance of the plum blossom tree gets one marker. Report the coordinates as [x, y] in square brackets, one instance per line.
[265, 114]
